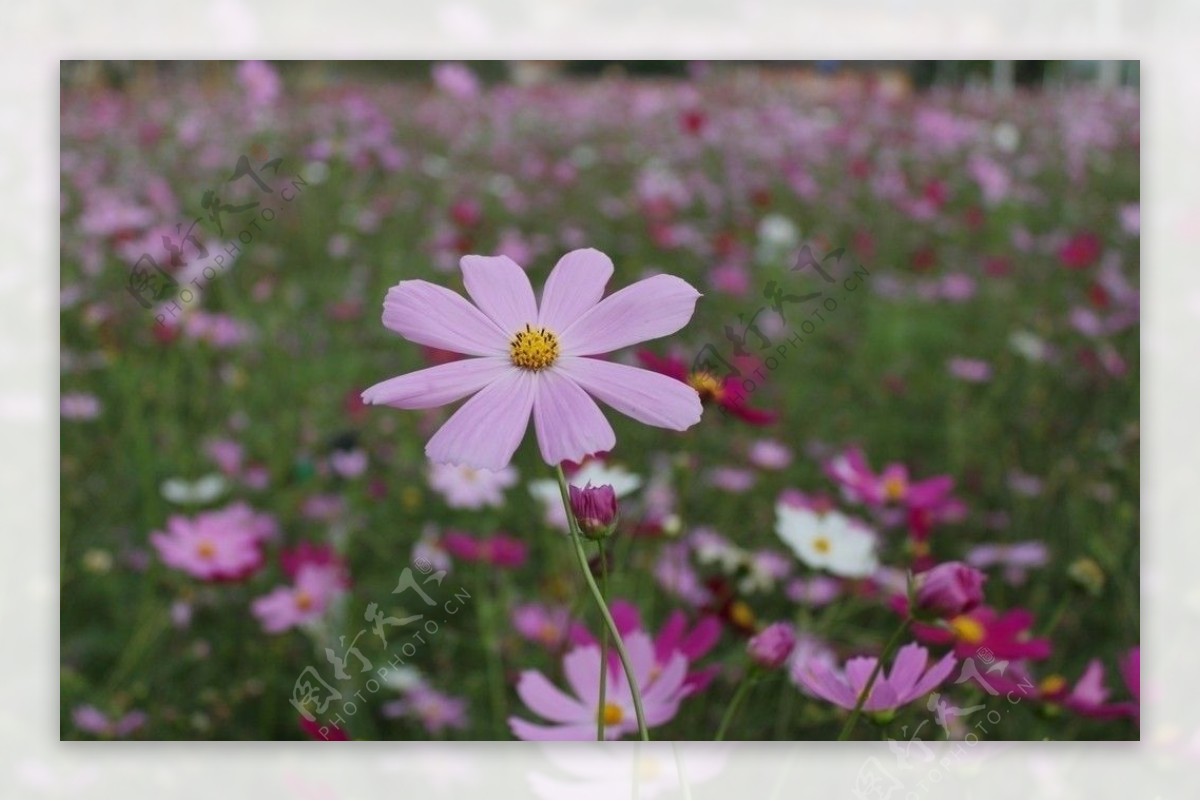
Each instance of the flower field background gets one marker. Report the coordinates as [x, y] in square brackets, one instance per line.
[917, 347]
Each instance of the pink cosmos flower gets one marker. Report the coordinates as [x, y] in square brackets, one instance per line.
[1016, 558]
[974, 371]
[222, 545]
[304, 602]
[435, 710]
[549, 626]
[908, 680]
[89, 719]
[772, 646]
[1006, 635]
[79, 406]
[575, 717]
[498, 550]
[770, 454]
[949, 589]
[537, 361]
[675, 636]
[348, 464]
[469, 488]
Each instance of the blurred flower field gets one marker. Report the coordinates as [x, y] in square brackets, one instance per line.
[915, 348]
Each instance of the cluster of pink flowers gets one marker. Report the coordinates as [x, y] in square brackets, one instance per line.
[221, 545]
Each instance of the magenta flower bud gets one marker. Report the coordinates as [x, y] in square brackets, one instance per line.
[949, 590]
[772, 646]
[595, 508]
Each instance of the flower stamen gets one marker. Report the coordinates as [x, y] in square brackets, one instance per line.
[534, 348]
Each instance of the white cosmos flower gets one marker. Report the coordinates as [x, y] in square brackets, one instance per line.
[829, 541]
[593, 472]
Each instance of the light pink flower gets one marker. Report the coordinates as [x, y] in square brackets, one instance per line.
[222, 545]
[348, 464]
[770, 454]
[470, 488]
[79, 406]
[435, 710]
[91, 720]
[547, 625]
[285, 607]
[574, 717]
[537, 361]
[975, 371]
[907, 681]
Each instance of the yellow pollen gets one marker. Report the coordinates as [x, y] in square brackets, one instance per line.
[894, 488]
[821, 545]
[707, 384]
[1052, 685]
[304, 601]
[968, 629]
[741, 614]
[549, 633]
[611, 714]
[206, 550]
[534, 348]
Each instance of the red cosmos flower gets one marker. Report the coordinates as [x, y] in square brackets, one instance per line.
[693, 121]
[725, 392]
[1081, 251]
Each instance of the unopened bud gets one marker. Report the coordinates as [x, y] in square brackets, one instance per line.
[595, 509]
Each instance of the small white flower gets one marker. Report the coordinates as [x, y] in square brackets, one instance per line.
[828, 541]
[202, 491]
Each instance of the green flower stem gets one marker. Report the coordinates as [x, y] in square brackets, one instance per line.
[866, 690]
[603, 644]
[581, 556]
[738, 697]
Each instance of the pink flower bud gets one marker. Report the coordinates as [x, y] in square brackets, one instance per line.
[772, 646]
[595, 508]
[949, 589]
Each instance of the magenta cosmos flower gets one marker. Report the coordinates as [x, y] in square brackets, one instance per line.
[537, 359]
[907, 681]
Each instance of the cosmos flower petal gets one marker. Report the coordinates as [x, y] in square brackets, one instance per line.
[437, 386]
[524, 730]
[485, 432]
[582, 669]
[569, 424]
[649, 309]
[431, 315]
[575, 285]
[648, 397]
[548, 701]
[906, 668]
[938, 673]
[501, 290]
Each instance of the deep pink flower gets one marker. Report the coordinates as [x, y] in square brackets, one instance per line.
[949, 589]
[315, 730]
[725, 392]
[1080, 251]
[537, 361]
[498, 550]
[1005, 635]
[575, 717]
[908, 680]
[772, 646]
[595, 508]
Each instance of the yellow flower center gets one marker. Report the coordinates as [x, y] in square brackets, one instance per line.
[304, 601]
[742, 615]
[206, 550]
[707, 385]
[821, 545]
[534, 348]
[611, 714]
[968, 629]
[1052, 685]
[894, 487]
